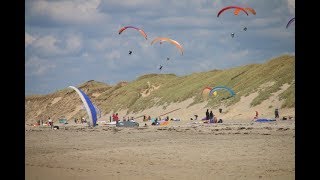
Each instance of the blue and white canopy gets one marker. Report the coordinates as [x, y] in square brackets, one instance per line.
[91, 111]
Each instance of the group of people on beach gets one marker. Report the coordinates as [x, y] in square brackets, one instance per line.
[115, 117]
[211, 118]
[81, 121]
[48, 123]
[276, 114]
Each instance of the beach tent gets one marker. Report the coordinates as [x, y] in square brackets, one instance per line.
[91, 111]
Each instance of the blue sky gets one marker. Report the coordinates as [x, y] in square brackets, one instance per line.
[68, 42]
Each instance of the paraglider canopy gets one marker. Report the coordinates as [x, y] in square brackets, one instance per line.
[236, 11]
[232, 7]
[290, 21]
[138, 29]
[163, 39]
[91, 110]
[221, 88]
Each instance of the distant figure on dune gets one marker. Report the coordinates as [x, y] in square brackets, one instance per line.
[276, 113]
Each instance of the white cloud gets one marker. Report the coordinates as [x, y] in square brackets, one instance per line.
[28, 39]
[190, 21]
[69, 12]
[132, 3]
[113, 55]
[73, 43]
[263, 22]
[275, 32]
[104, 43]
[46, 44]
[37, 66]
[49, 45]
[237, 55]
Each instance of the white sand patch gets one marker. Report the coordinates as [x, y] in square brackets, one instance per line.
[267, 84]
[55, 100]
[96, 94]
[150, 88]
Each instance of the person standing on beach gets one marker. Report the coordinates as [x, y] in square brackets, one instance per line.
[50, 122]
[116, 118]
[207, 114]
[276, 113]
[211, 117]
[257, 114]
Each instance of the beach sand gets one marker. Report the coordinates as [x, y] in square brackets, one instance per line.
[180, 150]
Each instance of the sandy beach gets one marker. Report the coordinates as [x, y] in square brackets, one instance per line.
[180, 150]
[187, 149]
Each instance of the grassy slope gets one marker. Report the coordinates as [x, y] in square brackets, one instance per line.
[243, 80]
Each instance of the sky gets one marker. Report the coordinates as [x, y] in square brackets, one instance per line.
[69, 42]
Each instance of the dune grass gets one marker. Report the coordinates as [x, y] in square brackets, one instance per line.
[163, 89]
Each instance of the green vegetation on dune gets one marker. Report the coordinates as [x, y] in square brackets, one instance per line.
[170, 88]
[163, 89]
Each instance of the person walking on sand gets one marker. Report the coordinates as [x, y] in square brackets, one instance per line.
[276, 113]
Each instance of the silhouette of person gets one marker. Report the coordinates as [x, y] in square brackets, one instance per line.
[232, 35]
[276, 113]
[160, 67]
[130, 52]
[207, 114]
[245, 28]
